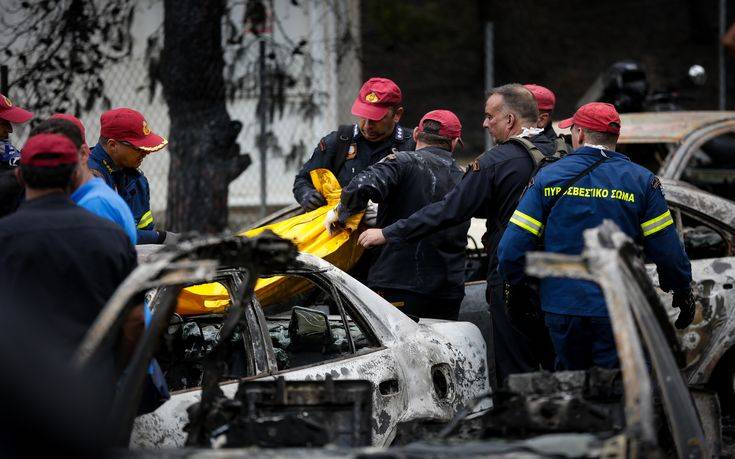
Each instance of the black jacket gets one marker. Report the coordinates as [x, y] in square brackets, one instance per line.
[362, 153]
[490, 189]
[401, 184]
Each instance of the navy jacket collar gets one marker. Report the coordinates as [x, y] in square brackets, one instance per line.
[103, 158]
[596, 152]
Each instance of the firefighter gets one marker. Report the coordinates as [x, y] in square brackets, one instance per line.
[125, 141]
[11, 192]
[424, 278]
[352, 148]
[576, 193]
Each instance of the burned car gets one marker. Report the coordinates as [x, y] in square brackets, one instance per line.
[644, 409]
[340, 331]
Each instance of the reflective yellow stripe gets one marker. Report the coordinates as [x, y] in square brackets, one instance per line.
[530, 219]
[527, 222]
[655, 225]
[523, 225]
[145, 220]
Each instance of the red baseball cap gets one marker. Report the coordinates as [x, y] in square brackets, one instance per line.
[545, 98]
[597, 116]
[73, 119]
[128, 125]
[49, 150]
[449, 125]
[376, 96]
[10, 112]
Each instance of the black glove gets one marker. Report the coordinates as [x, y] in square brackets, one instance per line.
[684, 301]
[311, 200]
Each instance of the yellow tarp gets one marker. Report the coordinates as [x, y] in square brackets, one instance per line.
[308, 233]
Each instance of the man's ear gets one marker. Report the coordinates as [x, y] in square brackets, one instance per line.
[543, 119]
[84, 154]
[397, 114]
[454, 144]
[415, 134]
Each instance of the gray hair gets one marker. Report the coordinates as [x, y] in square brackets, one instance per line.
[518, 100]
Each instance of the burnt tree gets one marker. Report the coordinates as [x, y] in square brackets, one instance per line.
[205, 156]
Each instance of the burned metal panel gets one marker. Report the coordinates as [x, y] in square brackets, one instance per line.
[401, 375]
[712, 209]
[712, 333]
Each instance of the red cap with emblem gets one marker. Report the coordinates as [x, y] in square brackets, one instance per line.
[128, 125]
[73, 119]
[545, 98]
[596, 116]
[449, 125]
[48, 150]
[10, 112]
[376, 96]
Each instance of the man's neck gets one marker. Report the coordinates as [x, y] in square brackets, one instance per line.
[85, 175]
[35, 193]
[420, 145]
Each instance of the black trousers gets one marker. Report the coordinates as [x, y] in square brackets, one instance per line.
[419, 305]
[516, 351]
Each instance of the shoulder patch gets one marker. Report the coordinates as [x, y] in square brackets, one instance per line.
[390, 157]
[323, 145]
[96, 173]
[474, 166]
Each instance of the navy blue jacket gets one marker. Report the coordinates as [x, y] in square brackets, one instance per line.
[490, 189]
[401, 184]
[619, 190]
[133, 187]
[362, 154]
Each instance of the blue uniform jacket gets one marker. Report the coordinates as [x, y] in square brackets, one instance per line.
[132, 186]
[362, 153]
[401, 184]
[490, 189]
[618, 190]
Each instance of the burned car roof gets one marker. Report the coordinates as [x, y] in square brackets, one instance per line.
[664, 127]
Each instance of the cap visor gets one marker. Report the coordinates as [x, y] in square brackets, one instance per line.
[151, 142]
[566, 123]
[16, 115]
[372, 112]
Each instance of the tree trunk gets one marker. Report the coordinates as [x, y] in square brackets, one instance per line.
[205, 156]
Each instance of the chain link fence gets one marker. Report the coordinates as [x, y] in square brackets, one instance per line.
[324, 78]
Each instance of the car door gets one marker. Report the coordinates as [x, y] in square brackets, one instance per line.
[321, 333]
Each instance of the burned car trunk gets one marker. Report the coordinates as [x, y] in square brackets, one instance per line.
[283, 413]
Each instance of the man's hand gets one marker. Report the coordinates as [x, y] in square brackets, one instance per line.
[684, 301]
[331, 221]
[312, 200]
[371, 237]
[171, 238]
